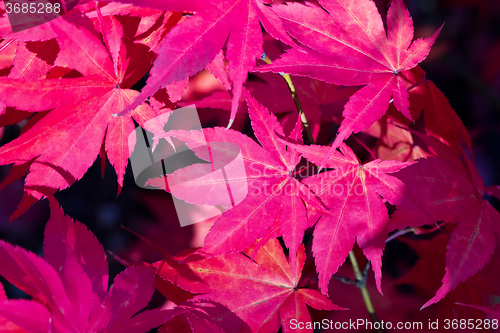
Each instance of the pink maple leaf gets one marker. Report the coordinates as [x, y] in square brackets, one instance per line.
[352, 193]
[65, 141]
[70, 285]
[229, 284]
[274, 193]
[448, 188]
[190, 46]
[348, 45]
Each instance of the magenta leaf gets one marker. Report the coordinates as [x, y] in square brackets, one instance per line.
[131, 291]
[66, 239]
[363, 54]
[29, 315]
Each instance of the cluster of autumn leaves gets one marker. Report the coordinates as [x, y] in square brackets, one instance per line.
[71, 79]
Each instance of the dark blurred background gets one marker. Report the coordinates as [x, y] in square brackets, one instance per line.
[465, 64]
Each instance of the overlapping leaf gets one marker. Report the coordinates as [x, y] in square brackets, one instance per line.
[352, 193]
[448, 188]
[69, 287]
[425, 277]
[440, 119]
[189, 47]
[347, 45]
[273, 192]
[394, 142]
[66, 141]
[246, 295]
[320, 100]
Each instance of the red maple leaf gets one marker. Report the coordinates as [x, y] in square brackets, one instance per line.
[70, 285]
[246, 295]
[347, 45]
[352, 193]
[65, 141]
[273, 192]
[441, 121]
[190, 46]
[425, 277]
[448, 188]
[394, 142]
[320, 100]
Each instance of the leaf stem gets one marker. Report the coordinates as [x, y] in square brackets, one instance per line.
[361, 278]
[296, 100]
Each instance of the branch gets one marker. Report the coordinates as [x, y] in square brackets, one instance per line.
[296, 100]
[361, 284]
[360, 277]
